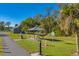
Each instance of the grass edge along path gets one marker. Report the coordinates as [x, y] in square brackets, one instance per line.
[1, 46]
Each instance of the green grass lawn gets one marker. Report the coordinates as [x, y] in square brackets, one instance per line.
[65, 47]
[18, 36]
[62, 46]
[1, 50]
[13, 36]
[30, 45]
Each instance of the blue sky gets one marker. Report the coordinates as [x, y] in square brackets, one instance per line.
[17, 12]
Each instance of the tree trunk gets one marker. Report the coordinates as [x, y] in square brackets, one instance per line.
[8, 27]
[77, 42]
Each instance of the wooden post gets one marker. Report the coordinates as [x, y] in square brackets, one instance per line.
[22, 36]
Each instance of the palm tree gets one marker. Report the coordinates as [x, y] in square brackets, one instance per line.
[37, 19]
[48, 10]
[49, 19]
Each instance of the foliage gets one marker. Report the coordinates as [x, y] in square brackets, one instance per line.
[2, 25]
[47, 22]
[69, 14]
[8, 25]
[61, 21]
[26, 24]
[5, 26]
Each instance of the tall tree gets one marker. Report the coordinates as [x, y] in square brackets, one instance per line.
[2, 25]
[26, 24]
[49, 20]
[8, 24]
[37, 19]
[71, 11]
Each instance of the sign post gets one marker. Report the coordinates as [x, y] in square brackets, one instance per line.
[36, 28]
[40, 47]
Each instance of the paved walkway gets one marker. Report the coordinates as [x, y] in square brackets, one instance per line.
[11, 48]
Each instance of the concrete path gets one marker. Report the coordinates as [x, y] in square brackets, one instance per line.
[11, 48]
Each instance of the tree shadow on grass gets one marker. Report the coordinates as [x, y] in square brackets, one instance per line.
[6, 52]
[2, 35]
[1, 51]
[54, 40]
[70, 43]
